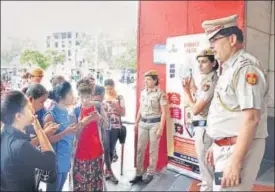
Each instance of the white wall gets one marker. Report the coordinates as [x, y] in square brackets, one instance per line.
[259, 35]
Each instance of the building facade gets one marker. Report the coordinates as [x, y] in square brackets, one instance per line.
[70, 43]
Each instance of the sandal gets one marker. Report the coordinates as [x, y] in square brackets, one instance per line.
[115, 158]
[109, 175]
[114, 179]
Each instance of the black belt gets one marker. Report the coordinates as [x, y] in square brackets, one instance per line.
[152, 120]
[199, 123]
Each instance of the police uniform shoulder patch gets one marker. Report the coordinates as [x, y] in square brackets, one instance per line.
[205, 87]
[251, 78]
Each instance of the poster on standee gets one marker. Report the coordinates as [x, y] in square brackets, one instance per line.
[181, 62]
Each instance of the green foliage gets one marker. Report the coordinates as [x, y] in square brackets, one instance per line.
[97, 45]
[129, 58]
[43, 60]
[34, 57]
[55, 56]
[13, 47]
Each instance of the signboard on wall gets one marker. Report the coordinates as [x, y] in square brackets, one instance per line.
[181, 62]
[159, 54]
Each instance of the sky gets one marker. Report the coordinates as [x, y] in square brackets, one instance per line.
[36, 19]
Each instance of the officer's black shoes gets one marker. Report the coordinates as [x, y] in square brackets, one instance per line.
[148, 178]
[136, 179]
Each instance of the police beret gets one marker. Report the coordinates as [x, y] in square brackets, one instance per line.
[212, 27]
[205, 52]
[37, 72]
[151, 73]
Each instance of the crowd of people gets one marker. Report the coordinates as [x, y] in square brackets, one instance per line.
[77, 137]
[69, 126]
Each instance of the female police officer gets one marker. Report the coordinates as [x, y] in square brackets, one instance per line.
[149, 124]
[200, 105]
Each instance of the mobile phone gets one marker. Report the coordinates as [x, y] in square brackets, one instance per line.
[190, 73]
[218, 178]
[93, 113]
[78, 125]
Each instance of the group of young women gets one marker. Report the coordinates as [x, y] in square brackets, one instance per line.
[71, 137]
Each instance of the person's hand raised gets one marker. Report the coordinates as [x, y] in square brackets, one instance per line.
[50, 128]
[86, 120]
[186, 84]
[72, 128]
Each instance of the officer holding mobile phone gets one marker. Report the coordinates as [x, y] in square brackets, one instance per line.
[199, 104]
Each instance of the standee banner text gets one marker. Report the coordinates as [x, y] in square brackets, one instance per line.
[181, 62]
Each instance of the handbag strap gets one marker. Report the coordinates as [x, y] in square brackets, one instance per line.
[118, 98]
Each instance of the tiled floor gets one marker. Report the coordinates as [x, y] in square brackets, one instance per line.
[194, 187]
[171, 181]
[167, 180]
[266, 173]
[267, 178]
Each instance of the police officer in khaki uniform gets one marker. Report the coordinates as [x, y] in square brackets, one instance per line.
[149, 124]
[237, 119]
[199, 107]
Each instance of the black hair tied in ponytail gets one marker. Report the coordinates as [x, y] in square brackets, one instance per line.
[60, 91]
[51, 95]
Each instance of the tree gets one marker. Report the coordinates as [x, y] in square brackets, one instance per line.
[55, 57]
[98, 48]
[129, 58]
[33, 57]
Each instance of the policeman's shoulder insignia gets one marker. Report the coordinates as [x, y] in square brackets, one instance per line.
[244, 60]
[205, 87]
[251, 78]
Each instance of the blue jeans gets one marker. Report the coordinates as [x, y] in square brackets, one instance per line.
[109, 142]
[59, 183]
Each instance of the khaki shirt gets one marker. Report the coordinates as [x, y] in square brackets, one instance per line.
[234, 93]
[151, 101]
[205, 92]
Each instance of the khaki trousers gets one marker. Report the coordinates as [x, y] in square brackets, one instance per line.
[147, 132]
[202, 143]
[251, 164]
